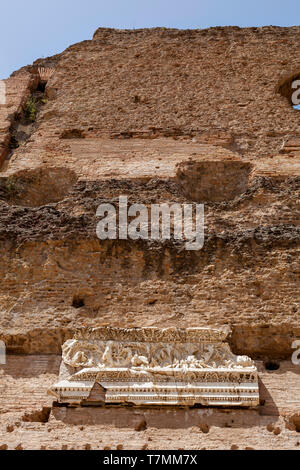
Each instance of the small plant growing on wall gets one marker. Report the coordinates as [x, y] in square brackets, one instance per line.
[10, 185]
[31, 108]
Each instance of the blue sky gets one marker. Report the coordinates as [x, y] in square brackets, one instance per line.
[30, 29]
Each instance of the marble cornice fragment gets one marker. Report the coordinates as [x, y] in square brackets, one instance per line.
[155, 366]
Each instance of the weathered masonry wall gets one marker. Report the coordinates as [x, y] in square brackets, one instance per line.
[162, 116]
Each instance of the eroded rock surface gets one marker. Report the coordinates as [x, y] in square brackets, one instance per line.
[161, 116]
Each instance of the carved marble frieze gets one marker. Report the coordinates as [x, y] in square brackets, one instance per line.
[153, 366]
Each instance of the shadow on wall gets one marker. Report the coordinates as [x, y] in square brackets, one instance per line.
[168, 417]
[34, 188]
[213, 181]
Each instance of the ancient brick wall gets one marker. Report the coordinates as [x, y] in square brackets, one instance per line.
[158, 115]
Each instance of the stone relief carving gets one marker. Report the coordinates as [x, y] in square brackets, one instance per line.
[116, 354]
[135, 365]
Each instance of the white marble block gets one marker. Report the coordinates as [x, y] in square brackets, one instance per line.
[154, 366]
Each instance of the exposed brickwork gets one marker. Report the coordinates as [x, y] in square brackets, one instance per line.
[145, 113]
